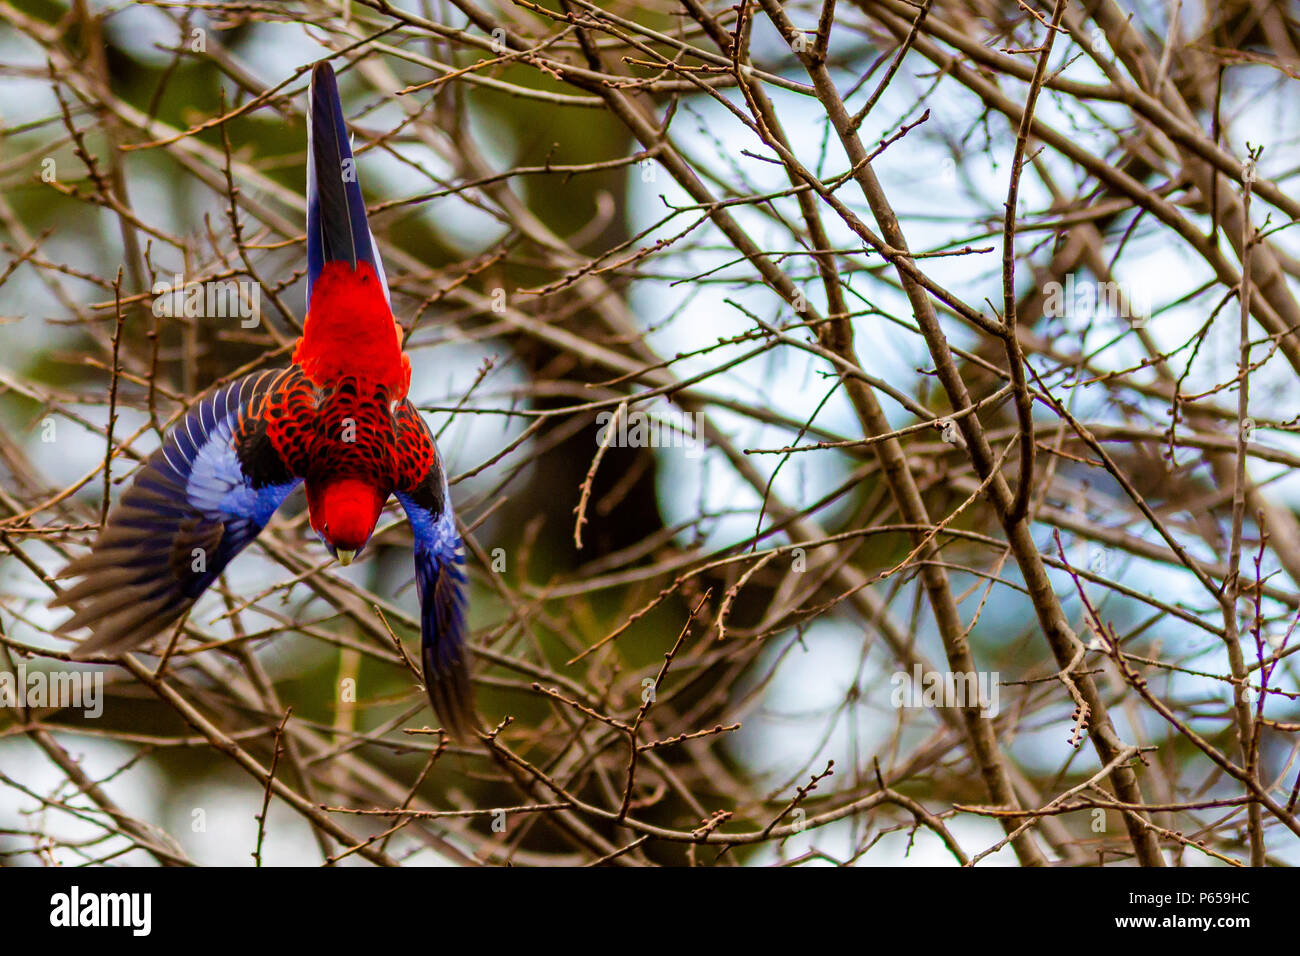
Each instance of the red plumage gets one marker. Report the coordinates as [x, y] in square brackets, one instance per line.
[345, 510]
[351, 350]
[350, 331]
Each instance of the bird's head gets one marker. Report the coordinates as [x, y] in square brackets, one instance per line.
[344, 512]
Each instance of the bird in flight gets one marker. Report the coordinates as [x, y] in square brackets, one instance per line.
[337, 420]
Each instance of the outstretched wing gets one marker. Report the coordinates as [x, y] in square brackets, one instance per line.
[194, 504]
[337, 228]
[439, 572]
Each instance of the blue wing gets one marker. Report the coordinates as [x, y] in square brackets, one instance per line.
[194, 504]
[439, 574]
[337, 229]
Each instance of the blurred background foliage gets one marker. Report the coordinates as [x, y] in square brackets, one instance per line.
[479, 201]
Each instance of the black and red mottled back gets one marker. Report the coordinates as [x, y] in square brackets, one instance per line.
[347, 431]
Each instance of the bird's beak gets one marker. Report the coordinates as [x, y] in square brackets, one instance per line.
[345, 557]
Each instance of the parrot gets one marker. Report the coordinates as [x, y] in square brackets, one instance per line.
[337, 421]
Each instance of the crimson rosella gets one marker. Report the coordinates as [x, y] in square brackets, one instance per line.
[337, 419]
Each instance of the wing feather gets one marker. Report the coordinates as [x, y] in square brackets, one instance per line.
[191, 507]
[439, 574]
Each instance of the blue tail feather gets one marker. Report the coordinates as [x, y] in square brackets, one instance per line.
[337, 228]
